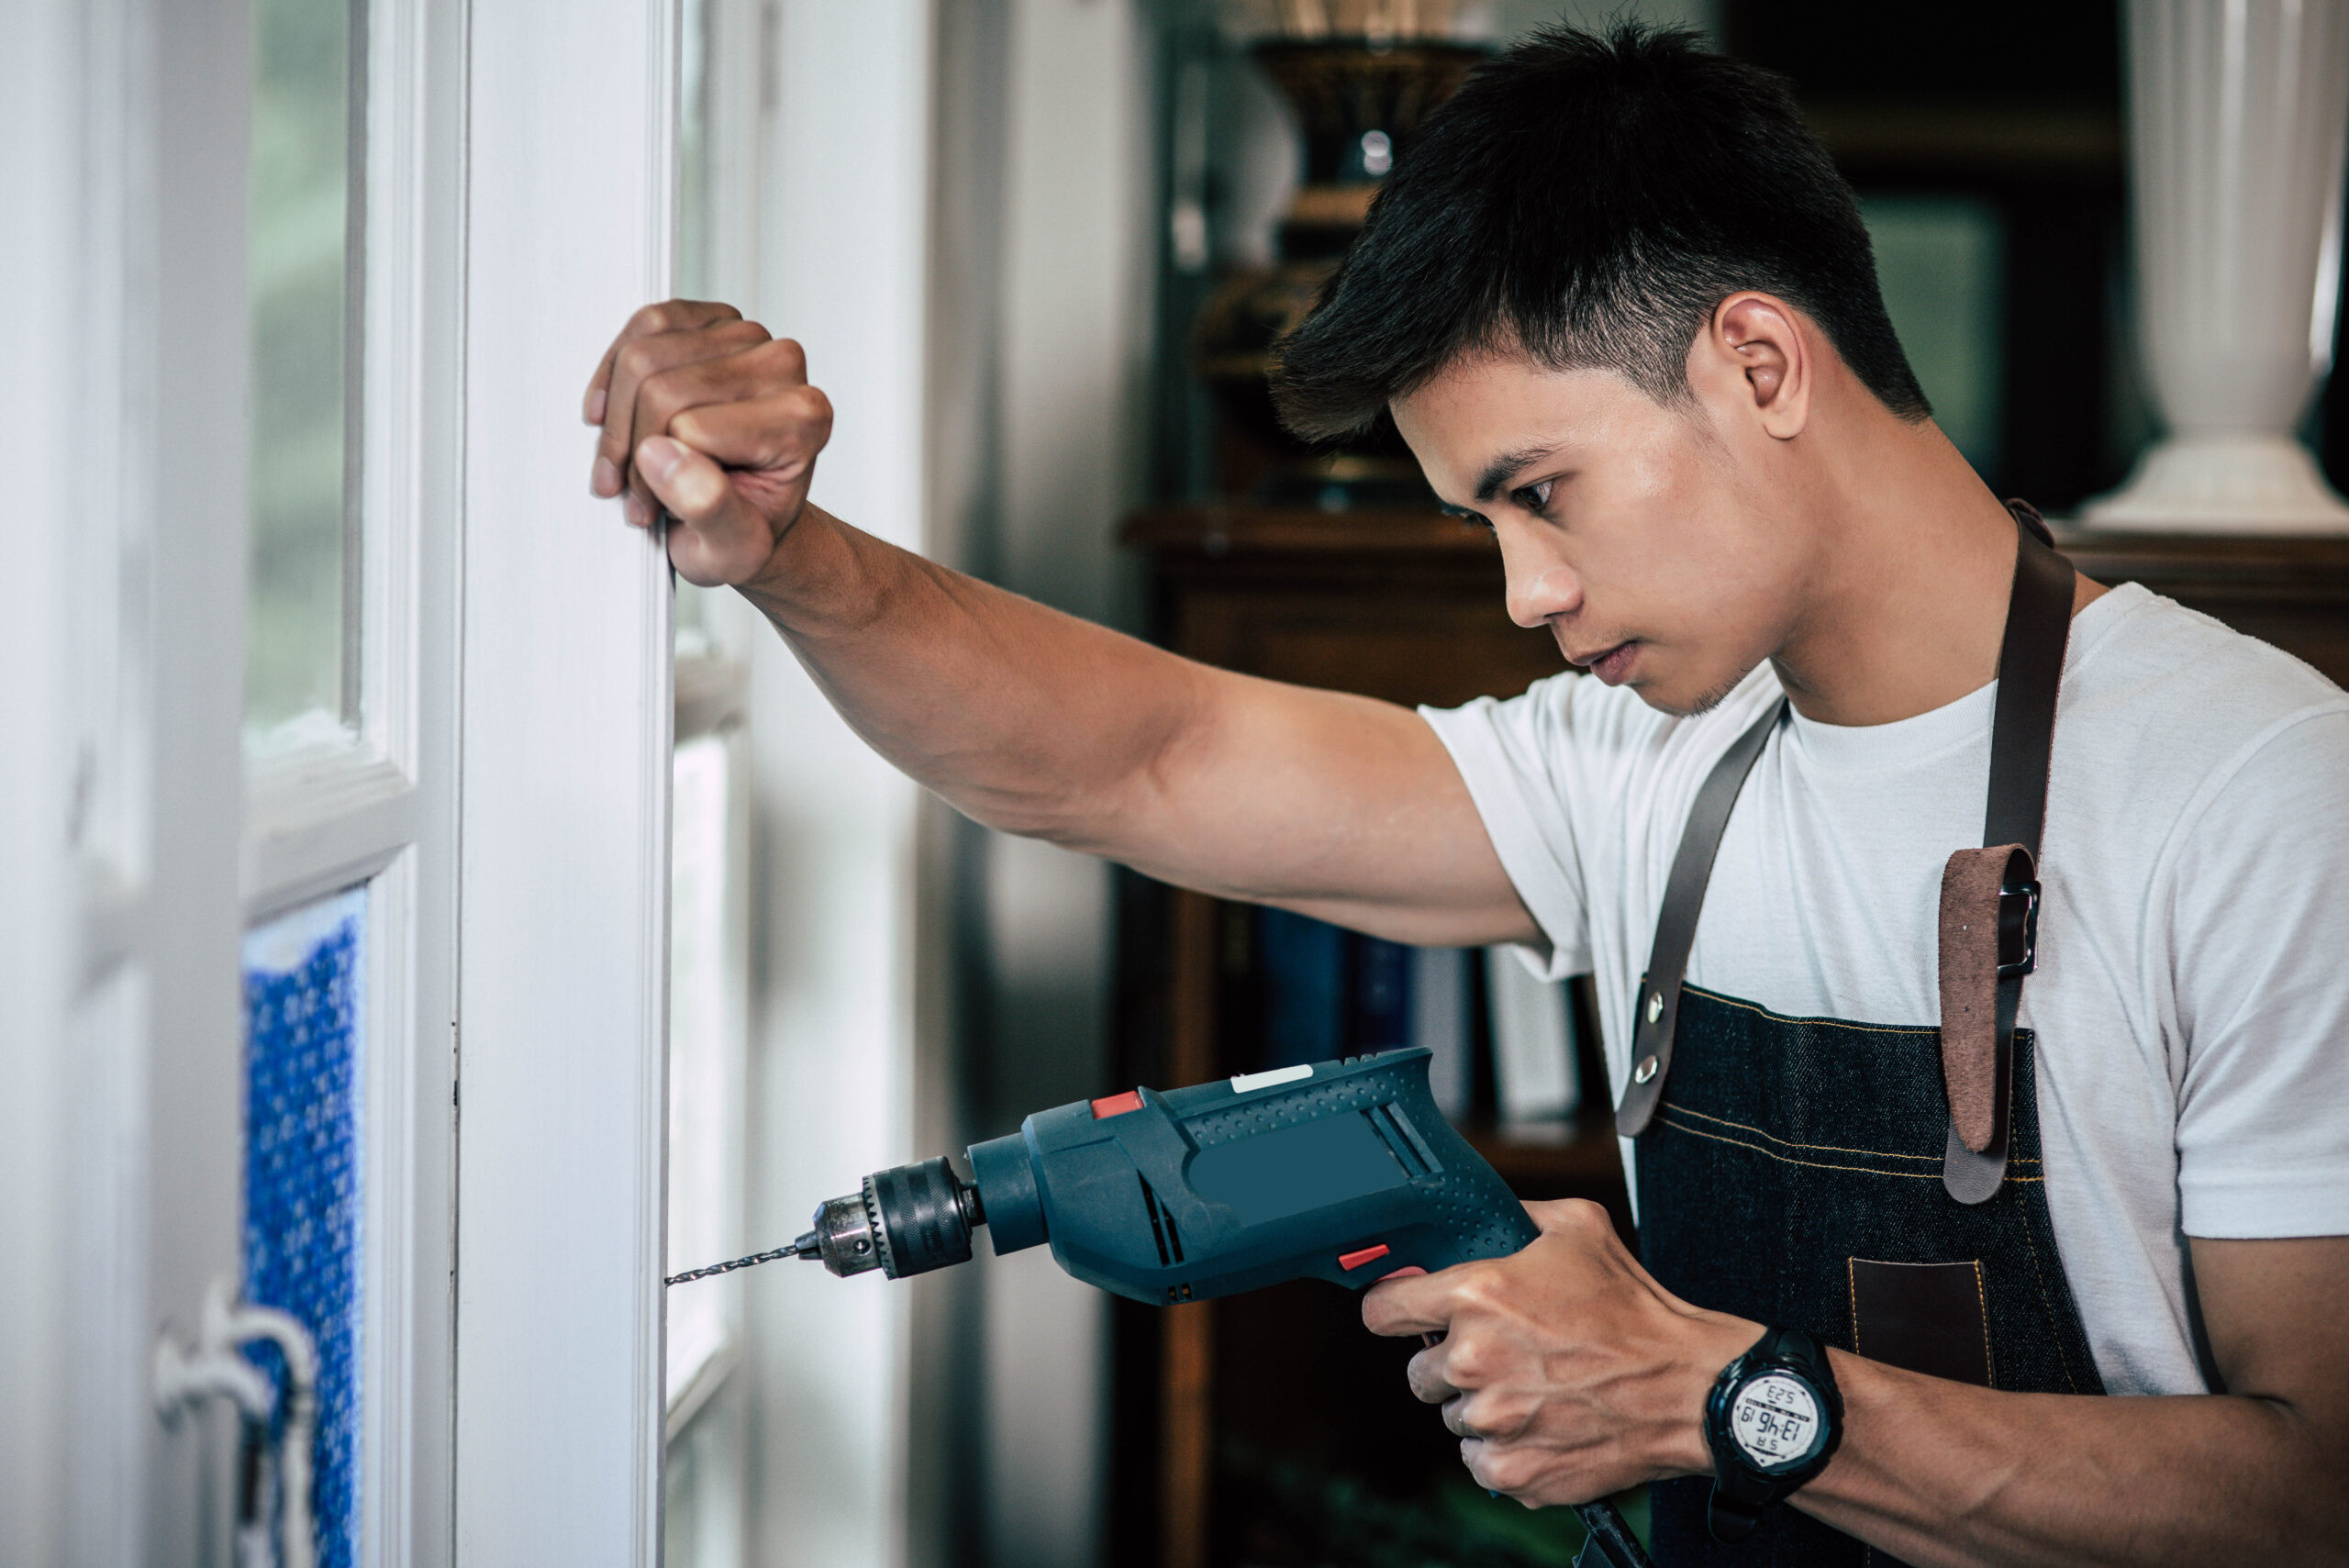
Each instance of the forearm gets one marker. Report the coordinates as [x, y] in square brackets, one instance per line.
[1943, 1474]
[1022, 717]
[1039, 723]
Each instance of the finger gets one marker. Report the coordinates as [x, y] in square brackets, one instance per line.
[669, 316]
[1417, 1305]
[1430, 1377]
[641, 359]
[1511, 1470]
[719, 537]
[775, 433]
[757, 378]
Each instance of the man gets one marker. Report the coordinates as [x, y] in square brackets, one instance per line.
[1623, 310]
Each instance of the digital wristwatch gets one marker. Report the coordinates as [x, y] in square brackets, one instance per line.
[1771, 1421]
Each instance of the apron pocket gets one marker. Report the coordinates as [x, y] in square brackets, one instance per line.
[1927, 1317]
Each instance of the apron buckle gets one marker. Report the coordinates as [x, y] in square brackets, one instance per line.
[2017, 929]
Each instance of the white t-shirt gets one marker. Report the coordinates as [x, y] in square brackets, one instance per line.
[2191, 1003]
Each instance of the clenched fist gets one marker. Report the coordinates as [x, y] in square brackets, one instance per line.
[708, 418]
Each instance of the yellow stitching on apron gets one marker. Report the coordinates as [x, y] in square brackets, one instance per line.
[1852, 1284]
[1934, 1160]
[1813, 1164]
[1982, 1299]
[2040, 1275]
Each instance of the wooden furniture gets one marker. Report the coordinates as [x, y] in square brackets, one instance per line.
[1406, 605]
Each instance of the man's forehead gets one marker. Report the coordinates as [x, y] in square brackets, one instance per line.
[1484, 416]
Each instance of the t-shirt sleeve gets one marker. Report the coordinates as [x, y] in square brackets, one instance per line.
[2259, 912]
[1512, 754]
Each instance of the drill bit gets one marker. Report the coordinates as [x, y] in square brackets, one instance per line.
[806, 1247]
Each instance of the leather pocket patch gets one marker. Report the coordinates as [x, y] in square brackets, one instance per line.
[1928, 1318]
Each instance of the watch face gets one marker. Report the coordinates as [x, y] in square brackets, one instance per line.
[1775, 1419]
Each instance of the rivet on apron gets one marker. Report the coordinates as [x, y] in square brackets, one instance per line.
[1644, 1071]
[1655, 1009]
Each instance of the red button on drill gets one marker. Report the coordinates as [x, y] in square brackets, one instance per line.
[1117, 1105]
[1353, 1261]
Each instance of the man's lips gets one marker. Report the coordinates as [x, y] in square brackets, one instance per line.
[1610, 663]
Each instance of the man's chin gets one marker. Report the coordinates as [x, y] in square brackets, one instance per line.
[1671, 699]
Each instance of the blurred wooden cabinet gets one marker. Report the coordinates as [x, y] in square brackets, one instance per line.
[1406, 605]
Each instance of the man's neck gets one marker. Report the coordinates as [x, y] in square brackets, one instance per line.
[1911, 606]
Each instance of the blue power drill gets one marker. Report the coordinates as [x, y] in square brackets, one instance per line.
[1342, 1171]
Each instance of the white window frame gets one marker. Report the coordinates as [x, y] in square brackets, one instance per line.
[518, 206]
[567, 711]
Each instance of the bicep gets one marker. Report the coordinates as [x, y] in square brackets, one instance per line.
[1338, 807]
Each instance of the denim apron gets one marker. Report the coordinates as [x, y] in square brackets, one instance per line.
[1878, 1187]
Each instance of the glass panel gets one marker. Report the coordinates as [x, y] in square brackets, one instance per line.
[304, 1199]
[705, 1078]
[300, 673]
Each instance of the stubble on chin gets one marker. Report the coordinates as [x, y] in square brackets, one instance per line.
[1704, 704]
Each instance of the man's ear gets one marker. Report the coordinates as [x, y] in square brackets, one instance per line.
[1758, 355]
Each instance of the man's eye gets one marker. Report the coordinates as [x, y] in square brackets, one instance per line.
[1535, 498]
[1473, 520]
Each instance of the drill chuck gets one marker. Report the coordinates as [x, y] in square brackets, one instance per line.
[906, 1221]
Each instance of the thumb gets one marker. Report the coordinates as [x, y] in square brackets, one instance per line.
[719, 537]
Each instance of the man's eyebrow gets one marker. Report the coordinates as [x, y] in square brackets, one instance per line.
[1504, 468]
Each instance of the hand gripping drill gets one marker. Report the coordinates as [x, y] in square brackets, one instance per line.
[1342, 1171]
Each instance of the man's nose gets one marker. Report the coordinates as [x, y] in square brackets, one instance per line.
[1541, 589]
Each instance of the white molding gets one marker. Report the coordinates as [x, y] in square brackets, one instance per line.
[566, 713]
[329, 828]
[390, 1232]
[411, 479]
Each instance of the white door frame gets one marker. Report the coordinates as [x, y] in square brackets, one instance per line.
[563, 866]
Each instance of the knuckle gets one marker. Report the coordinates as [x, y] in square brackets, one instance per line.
[1510, 1469]
[654, 317]
[658, 392]
[638, 360]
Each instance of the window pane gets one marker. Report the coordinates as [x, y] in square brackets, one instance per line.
[304, 1199]
[300, 677]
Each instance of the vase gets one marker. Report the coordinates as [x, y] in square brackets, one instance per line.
[2239, 118]
[1358, 102]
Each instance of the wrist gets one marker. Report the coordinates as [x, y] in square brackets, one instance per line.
[789, 587]
[1713, 1340]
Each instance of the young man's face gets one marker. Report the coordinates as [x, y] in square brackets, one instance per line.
[1649, 540]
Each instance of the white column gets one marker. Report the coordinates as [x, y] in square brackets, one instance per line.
[2239, 115]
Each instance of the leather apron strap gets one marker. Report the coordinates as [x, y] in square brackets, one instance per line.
[1977, 1061]
[1990, 896]
[1676, 926]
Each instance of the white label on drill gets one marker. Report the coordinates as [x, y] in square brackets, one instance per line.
[1243, 1082]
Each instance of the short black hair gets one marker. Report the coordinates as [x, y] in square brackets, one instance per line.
[1589, 200]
